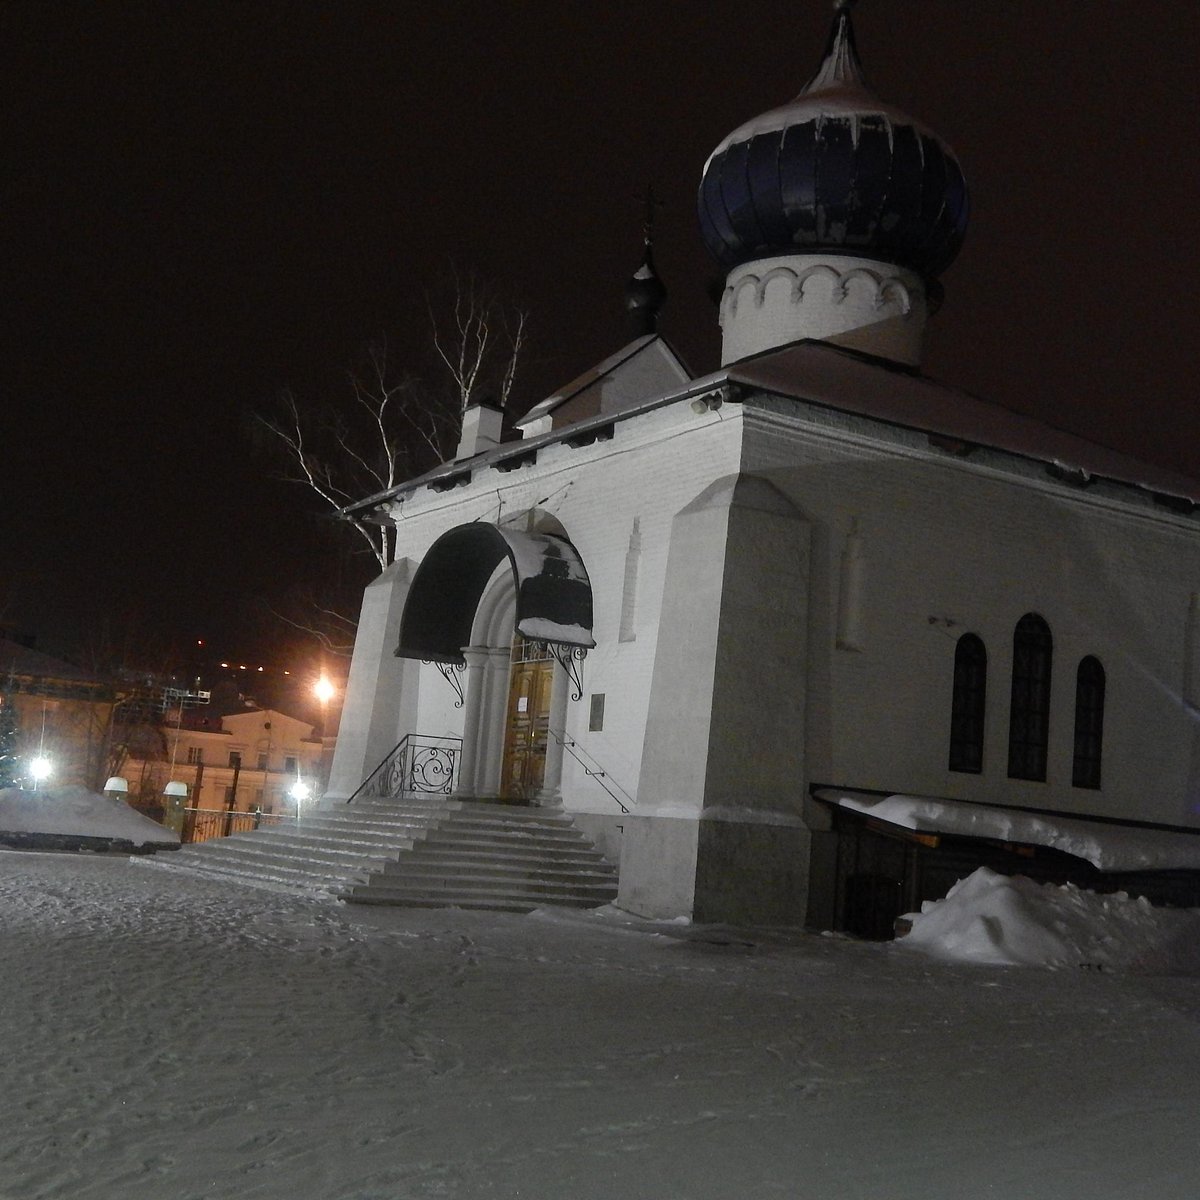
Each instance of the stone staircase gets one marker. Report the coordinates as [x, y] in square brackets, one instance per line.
[425, 851]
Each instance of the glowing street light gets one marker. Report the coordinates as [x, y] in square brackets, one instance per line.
[324, 690]
[299, 791]
[40, 768]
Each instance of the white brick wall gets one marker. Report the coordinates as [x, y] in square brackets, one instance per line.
[953, 547]
[950, 546]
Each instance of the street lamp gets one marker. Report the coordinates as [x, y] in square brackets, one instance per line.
[40, 768]
[299, 791]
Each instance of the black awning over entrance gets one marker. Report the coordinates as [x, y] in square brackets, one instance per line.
[554, 594]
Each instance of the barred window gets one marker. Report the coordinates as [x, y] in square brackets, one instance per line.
[968, 705]
[1089, 723]
[1029, 713]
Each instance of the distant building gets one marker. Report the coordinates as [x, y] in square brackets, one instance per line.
[63, 713]
[243, 762]
[723, 621]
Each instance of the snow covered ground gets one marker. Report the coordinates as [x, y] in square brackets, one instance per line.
[168, 1038]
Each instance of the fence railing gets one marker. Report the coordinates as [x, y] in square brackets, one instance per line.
[204, 824]
[419, 764]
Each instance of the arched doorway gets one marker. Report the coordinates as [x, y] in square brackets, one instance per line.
[501, 605]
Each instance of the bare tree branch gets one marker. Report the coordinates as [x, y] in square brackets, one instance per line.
[390, 425]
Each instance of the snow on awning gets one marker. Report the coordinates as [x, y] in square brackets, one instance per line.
[1106, 847]
[554, 594]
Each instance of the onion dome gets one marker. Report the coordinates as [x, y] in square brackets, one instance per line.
[644, 297]
[835, 171]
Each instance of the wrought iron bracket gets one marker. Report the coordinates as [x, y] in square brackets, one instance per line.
[452, 674]
[570, 658]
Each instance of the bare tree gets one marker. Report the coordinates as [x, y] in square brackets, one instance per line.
[390, 425]
[481, 343]
[362, 445]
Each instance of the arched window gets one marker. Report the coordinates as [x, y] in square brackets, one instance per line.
[1029, 714]
[967, 708]
[1089, 723]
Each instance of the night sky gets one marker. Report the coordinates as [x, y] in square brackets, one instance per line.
[206, 203]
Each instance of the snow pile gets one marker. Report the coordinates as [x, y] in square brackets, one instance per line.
[1012, 921]
[75, 811]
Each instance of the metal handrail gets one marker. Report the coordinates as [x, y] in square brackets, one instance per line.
[594, 771]
[419, 763]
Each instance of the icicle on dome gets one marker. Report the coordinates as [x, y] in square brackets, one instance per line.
[835, 214]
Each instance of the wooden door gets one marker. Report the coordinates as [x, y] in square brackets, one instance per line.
[527, 728]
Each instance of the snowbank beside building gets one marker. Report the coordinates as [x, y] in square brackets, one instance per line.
[56, 814]
[1012, 921]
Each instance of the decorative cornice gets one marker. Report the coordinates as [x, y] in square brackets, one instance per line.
[885, 290]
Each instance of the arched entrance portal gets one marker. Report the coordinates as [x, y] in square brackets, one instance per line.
[503, 605]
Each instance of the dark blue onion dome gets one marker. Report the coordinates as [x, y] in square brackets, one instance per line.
[836, 171]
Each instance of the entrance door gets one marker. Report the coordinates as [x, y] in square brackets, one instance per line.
[527, 728]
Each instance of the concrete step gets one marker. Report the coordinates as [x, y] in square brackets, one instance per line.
[315, 857]
[427, 852]
[342, 841]
[412, 868]
[460, 895]
[376, 824]
[443, 842]
[449, 860]
[272, 876]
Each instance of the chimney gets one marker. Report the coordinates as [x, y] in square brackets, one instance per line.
[481, 425]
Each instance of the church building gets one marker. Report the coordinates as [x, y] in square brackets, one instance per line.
[806, 639]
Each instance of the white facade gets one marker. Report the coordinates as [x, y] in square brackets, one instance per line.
[242, 761]
[779, 588]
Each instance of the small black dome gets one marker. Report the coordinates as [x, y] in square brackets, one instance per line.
[836, 171]
[644, 297]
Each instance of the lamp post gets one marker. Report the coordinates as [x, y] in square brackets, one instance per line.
[41, 767]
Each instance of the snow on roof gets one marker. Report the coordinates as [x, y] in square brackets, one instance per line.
[77, 812]
[25, 662]
[1106, 847]
[828, 375]
[1003, 920]
[581, 383]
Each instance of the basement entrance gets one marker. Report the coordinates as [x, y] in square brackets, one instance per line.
[527, 725]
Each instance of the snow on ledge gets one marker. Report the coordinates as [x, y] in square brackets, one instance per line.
[1106, 847]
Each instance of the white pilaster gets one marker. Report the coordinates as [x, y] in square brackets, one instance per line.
[468, 767]
[550, 795]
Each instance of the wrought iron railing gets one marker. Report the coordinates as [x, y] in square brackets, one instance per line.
[204, 824]
[419, 765]
[593, 770]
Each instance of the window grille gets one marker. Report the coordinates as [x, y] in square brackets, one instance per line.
[524, 650]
